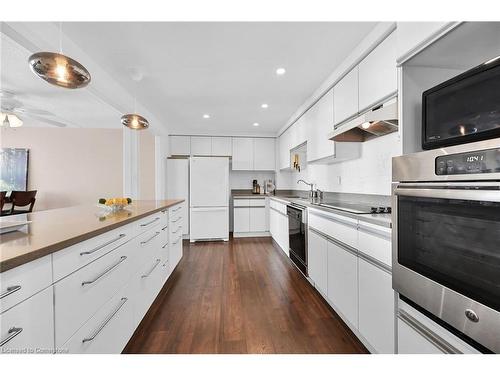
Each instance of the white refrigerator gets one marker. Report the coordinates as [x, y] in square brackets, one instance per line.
[178, 186]
[209, 198]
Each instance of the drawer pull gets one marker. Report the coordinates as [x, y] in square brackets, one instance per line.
[10, 290]
[177, 241]
[122, 258]
[106, 321]
[103, 245]
[176, 209]
[152, 269]
[165, 227]
[164, 246]
[13, 332]
[150, 222]
[150, 238]
[178, 228]
[176, 220]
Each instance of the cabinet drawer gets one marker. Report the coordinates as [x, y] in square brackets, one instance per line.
[146, 285]
[175, 227]
[175, 252]
[375, 241]
[151, 221]
[176, 211]
[241, 202]
[22, 282]
[29, 326]
[80, 295]
[278, 206]
[257, 202]
[339, 227]
[108, 331]
[75, 257]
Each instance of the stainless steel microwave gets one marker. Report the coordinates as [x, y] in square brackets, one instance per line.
[463, 109]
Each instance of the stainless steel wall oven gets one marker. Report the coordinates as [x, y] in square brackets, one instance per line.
[446, 237]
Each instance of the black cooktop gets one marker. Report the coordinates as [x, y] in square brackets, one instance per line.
[357, 208]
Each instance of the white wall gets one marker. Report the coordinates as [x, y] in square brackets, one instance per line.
[369, 174]
[243, 179]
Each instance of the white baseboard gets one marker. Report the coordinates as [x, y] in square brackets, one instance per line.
[251, 234]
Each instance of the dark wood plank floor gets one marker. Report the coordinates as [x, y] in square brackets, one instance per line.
[240, 297]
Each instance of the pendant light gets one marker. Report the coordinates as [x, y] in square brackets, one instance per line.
[133, 120]
[58, 69]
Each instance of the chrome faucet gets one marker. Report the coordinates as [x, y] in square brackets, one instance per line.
[311, 193]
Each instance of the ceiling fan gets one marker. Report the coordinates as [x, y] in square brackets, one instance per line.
[13, 111]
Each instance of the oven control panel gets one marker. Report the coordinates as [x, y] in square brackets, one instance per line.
[484, 161]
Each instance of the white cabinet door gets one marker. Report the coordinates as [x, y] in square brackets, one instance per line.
[284, 150]
[345, 97]
[376, 307]
[209, 223]
[180, 145]
[222, 146]
[257, 219]
[264, 158]
[201, 146]
[243, 154]
[29, 325]
[377, 74]
[343, 282]
[241, 219]
[320, 123]
[317, 263]
[283, 233]
[411, 35]
[273, 224]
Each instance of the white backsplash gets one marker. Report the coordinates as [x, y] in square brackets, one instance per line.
[369, 174]
[243, 179]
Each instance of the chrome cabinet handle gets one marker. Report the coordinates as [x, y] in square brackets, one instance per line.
[150, 238]
[177, 229]
[164, 246]
[106, 321]
[174, 243]
[176, 209]
[103, 245]
[150, 222]
[13, 332]
[152, 269]
[10, 290]
[176, 220]
[165, 227]
[122, 258]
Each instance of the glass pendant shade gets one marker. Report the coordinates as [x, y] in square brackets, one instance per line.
[59, 70]
[134, 121]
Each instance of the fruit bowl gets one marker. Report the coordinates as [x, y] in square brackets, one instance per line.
[114, 204]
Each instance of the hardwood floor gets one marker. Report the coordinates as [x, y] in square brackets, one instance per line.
[244, 296]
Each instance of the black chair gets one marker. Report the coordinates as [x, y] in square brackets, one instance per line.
[22, 199]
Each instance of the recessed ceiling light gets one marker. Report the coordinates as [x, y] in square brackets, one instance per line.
[206, 115]
[264, 105]
[255, 124]
[280, 71]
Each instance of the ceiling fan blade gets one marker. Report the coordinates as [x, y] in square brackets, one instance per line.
[45, 120]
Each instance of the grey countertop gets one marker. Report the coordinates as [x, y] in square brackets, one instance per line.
[377, 219]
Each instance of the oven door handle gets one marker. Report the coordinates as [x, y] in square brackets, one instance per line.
[444, 193]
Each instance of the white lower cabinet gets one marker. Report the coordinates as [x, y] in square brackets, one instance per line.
[241, 217]
[317, 261]
[29, 326]
[250, 217]
[109, 329]
[376, 306]
[343, 281]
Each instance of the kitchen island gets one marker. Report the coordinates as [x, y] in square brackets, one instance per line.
[78, 280]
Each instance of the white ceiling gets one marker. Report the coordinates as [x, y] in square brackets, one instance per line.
[224, 69]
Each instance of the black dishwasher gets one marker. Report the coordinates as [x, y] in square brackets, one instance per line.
[297, 229]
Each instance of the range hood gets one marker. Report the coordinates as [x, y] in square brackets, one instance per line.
[378, 121]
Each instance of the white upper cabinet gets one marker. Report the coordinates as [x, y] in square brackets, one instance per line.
[412, 35]
[320, 123]
[284, 150]
[180, 145]
[264, 158]
[201, 146]
[345, 97]
[222, 146]
[243, 154]
[377, 74]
